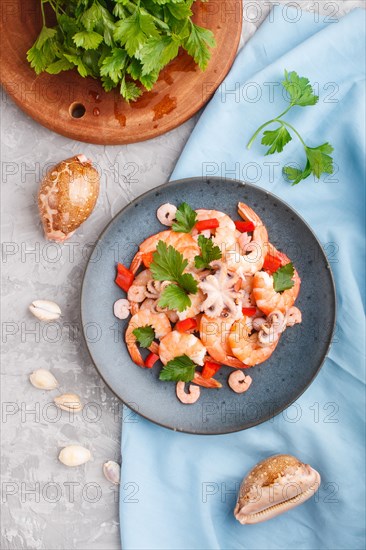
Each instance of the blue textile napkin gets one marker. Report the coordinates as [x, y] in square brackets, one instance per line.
[178, 491]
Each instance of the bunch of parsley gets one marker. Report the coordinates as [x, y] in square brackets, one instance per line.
[125, 43]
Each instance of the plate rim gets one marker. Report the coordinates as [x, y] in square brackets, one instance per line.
[278, 410]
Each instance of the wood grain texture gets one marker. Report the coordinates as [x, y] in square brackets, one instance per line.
[182, 88]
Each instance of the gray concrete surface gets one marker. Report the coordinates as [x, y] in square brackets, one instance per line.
[45, 505]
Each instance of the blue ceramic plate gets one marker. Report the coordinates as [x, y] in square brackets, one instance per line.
[277, 382]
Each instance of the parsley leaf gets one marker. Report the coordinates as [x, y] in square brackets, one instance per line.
[277, 139]
[129, 90]
[197, 45]
[188, 282]
[174, 297]
[178, 369]
[295, 175]
[299, 89]
[89, 40]
[157, 52]
[113, 65]
[185, 219]
[144, 335]
[76, 60]
[282, 278]
[45, 34]
[319, 160]
[209, 253]
[42, 53]
[60, 65]
[133, 31]
[168, 265]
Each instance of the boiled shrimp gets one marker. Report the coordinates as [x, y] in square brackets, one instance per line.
[239, 382]
[166, 214]
[248, 214]
[195, 307]
[158, 321]
[246, 346]
[152, 305]
[190, 397]
[177, 343]
[214, 335]
[224, 235]
[183, 242]
[267, 299]
[137, 291]
[248, 257]
[293, 316]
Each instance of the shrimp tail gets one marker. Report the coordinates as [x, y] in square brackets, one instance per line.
[227, 360]
[135, 354]
[205, 382]
[235, 363]
[154, 348]
[248, 214]
[136, 262]
[135, 308]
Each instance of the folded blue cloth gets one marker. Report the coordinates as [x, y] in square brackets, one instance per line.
[178, 491]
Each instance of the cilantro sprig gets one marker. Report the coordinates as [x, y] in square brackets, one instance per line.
[178, 369]
[168, 265]
[282, 278]
[185, 218]
[209, 253]
[319, 160]
[124, 43]
[144, 335]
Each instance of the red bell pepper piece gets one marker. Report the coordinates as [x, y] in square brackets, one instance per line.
[147, 259]
[124, 278]
[249, 311]
[244, 227]
[271, 263]
[210, 369]
[186, 324]
[151, 360]
[212, 223]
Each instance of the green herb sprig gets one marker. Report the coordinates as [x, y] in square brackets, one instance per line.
[209, 253]
[283, 277]
[319, 160]
[180, 368]
[144, 335]
[185, 218]
[168, 265]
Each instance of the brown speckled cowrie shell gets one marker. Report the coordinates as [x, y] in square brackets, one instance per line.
[67, 197]
[274, 486]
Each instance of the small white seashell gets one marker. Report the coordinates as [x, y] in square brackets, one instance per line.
[122, 308]
[45, 310]
[74, 455]
[43, 379]
[69, 402]
[112, 471]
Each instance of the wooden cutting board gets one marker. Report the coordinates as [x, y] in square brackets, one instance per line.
[80, 109]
